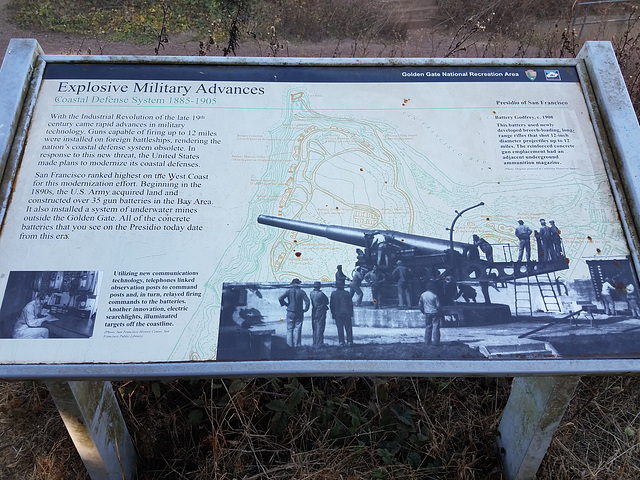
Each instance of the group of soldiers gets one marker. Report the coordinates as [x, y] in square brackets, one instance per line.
[297, 303]
[341, 303]
[376, 278]
[621, 290]
[547, 238]
[548, 241]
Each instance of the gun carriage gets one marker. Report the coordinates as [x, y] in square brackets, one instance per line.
[428, 258]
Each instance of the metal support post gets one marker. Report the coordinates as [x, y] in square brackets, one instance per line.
[532, 415]
[15, 77]
[93, 418]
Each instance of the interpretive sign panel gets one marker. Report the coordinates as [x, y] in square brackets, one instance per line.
[183, 212]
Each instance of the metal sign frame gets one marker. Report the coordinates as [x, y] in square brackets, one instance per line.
[616, 130]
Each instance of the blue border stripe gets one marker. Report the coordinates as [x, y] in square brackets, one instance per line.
[308, 74]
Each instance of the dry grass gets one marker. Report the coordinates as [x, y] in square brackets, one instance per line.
[34, 444]
[333, 428]
[600, 434]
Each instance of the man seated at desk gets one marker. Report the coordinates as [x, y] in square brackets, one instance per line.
[29, 323]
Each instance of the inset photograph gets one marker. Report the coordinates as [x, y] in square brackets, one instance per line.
[50, 304]
[403, 297]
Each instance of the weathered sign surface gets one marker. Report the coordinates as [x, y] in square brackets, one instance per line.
[285, 211]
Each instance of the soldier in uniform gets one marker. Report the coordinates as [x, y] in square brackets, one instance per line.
[340, 275]
[401, 275]
[380, 244]
[430, 307]
[545, 241]
[354, 286]
[319, 307]
[632, 300]
[607, 299]
[555, 240]
[341, 307]
[375, 278]
[468, 293]
[484, 246]
[524, 240]
[297, 302]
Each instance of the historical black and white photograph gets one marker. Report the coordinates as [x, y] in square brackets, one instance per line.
[50, 304]
[405, 296]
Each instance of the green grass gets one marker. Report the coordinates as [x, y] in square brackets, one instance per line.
[136, 21]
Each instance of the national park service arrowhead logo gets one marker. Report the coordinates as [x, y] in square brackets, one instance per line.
[531, 74]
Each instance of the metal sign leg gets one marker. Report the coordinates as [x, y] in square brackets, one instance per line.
[532, 415]
[94, 420]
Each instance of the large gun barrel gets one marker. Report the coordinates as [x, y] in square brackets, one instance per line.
[356, 236]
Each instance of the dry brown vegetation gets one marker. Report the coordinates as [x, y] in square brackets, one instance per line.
[326, 428]
[352, 428]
